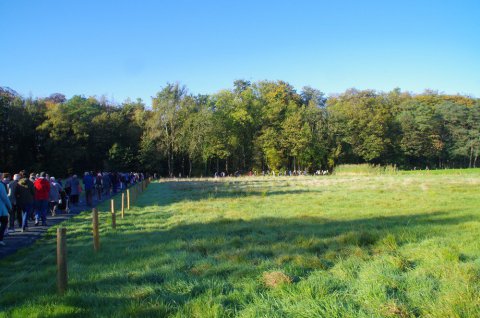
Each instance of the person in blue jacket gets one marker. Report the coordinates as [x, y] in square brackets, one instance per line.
[5, 206]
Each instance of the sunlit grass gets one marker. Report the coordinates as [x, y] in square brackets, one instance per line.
[400, 245]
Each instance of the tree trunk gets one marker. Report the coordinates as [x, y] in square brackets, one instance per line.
[471, 157]
[189, 167]
[475, 159]
[244, 158]
[183, 166]
[169, 163]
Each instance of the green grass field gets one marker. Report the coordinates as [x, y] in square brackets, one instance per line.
[405, 244]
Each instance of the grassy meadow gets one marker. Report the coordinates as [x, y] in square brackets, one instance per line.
[399, 244]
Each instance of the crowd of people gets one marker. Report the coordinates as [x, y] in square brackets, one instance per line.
[30, 197]
[270, 173]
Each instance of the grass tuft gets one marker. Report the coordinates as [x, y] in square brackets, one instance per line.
[275, 279]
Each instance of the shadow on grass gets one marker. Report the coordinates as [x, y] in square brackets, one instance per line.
[188, 261]
[196, 255]
[299, 244]
[176, 191]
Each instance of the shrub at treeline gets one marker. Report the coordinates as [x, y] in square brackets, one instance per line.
[261, 126]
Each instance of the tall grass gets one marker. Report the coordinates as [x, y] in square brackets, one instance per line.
[352, 246]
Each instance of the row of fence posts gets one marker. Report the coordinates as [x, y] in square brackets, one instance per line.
[132, 194]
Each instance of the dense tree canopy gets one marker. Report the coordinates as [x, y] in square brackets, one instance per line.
[260, 126]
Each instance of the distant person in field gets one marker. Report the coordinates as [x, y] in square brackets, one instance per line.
[5, 206]
[88, 185]
[24, 194]
[42, 193]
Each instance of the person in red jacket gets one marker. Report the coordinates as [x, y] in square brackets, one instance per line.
[42, 192]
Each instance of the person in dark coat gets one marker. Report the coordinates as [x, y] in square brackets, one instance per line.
[24, 194]
[99, 186]
[15, 212]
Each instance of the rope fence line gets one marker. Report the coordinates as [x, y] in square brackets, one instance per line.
[61, 246]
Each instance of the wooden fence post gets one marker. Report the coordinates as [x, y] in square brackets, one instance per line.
[96, 236]
[123, 204]
[62, 260]
[128, 199]
[114, 219]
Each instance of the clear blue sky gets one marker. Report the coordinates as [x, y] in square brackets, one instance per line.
[133, 48]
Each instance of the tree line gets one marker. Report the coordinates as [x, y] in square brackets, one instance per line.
[266, 125]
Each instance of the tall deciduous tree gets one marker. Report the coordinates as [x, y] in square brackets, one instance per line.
[169, 109]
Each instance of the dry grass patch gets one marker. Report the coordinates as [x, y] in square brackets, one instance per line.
[275, 279]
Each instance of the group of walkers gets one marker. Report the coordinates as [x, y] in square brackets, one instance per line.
[271, 173]
[101, 184]
[29, 197]
[22, 195]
